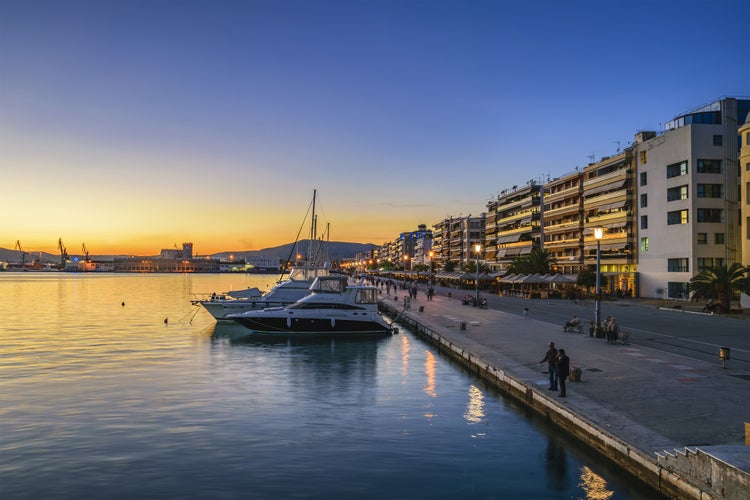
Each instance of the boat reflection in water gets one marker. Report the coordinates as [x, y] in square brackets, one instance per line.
[333, 308]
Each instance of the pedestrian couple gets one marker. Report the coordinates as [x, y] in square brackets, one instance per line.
[558, 364]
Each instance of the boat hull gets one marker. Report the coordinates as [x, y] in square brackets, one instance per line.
[220, 309]
[314, 326]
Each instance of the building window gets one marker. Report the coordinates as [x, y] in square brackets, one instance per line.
[643, 157]
[709, 215]
[701, 238]
[677, 217]
[677, 169]
[644, 244]
[677, 193]
[710, 191]
[677, 290]
[709, 166]
[719, 238]
[708, 263]
[644, 177]
[677, 265]
[644, 200]
[718, 140]
[644, 221]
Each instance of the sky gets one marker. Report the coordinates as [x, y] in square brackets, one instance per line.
[135, 125]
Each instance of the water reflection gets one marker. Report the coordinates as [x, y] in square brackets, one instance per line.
[405, 348]
[475, 408]
[557, 465]
[429, 371]
[594, 485]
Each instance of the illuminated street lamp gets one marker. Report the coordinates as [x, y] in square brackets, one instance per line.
[406, 259]
[432, 270]
[598, 233]
[477, 249]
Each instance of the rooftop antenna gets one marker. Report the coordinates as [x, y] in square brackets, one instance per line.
[618, 145]
[591, 158]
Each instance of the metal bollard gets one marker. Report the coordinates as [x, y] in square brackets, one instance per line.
[724, 356]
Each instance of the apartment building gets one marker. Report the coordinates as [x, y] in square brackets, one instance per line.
[561, 221]
[513, 225]
[608, 198]
[454, 239]
[744, 198]
[688, 197]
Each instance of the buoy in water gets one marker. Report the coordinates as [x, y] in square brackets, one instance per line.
[166, 321]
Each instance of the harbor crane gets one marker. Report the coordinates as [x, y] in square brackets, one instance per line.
[22, 252]
[85, 252]
[63, 252]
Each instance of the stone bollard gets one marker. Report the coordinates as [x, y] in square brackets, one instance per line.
[575, 374]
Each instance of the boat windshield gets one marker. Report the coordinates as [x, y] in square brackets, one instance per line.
[366, 296]
[329, 284]
[308, 274]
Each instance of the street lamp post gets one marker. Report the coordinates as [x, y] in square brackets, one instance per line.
[477, 249]
[431, 267]
[598, 233]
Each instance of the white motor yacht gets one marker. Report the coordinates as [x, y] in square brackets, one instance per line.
[333, 308]
[284, 293]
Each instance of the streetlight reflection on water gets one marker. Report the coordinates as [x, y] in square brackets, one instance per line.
[475, 411]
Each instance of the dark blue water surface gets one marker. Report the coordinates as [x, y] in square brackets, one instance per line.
[101, 400]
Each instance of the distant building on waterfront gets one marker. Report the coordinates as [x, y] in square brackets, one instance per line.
[512, 225]
[169, 261]
[454, 240]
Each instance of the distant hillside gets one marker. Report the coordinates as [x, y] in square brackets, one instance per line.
[336, 250]
[14, 256]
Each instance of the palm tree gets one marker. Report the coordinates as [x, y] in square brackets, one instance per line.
[721, 283]
[538, 261]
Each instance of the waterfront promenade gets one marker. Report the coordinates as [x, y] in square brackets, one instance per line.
[652, 400]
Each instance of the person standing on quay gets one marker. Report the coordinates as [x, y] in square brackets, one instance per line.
[551, 358]
[563, 370]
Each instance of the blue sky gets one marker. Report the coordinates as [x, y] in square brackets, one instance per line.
[132, 125]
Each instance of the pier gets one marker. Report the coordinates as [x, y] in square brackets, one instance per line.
[676, 423]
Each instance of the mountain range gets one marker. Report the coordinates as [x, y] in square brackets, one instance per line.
[336, 250]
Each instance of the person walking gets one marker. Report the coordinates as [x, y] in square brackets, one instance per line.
[563, 370]
[551, 358]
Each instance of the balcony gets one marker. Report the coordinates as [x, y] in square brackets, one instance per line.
[572, 208]
[567, 242]
[519, 230]
[525, 214]
[562, 194]
[604, 179]
[595, 220]
[565, 226]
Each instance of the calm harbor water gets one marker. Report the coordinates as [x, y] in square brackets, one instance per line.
[105, 400]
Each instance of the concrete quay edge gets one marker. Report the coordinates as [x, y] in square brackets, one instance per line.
[446, 330]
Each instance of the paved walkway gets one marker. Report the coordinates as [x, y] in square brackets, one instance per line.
[651, 399]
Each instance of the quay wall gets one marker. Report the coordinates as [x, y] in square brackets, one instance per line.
[640, 464]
